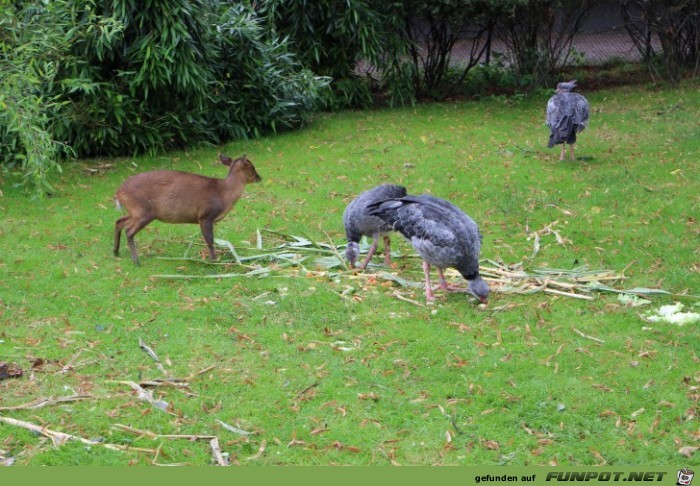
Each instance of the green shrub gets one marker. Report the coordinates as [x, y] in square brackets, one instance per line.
[148, 72]
[331, 37]
[28, 65]
[260, 86]
[127, 77]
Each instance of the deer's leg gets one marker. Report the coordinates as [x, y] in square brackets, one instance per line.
[131, 231]
[207, 226]
[118, 227]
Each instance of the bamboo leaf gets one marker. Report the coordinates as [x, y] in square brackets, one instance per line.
[231, 248]
[328, 262]
[259, 242]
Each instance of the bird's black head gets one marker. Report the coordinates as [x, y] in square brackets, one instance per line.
[351, 252]
[565, 87]
[479, 289]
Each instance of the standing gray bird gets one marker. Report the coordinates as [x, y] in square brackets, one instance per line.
[567, 114]
[359, 222]
[441, 234]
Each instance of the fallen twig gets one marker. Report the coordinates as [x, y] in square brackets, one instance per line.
[134, 431]
[216, 452]
[536, 246]
[69, 365]
[301, 393]
[174, 382]
[231, 428]
[43, 402]
[598, 340]
[148, 350]
[154, 462]
[567, 294]
[153, 355]
[198, 373]
[60, 438]
[154, 436]
[146, 396]
[673, 108]
[212, 439]
[406, 299]
[335, 251]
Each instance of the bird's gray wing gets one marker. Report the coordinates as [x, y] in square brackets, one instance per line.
[581, 111]
[553, 113]
[414, 218]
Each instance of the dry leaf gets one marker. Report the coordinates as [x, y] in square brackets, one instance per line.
[368, 396]
[637, 413]
[655, 423]
[374, 422]
[688, 451]
[599, 457]
[261, 449]
[491, 444]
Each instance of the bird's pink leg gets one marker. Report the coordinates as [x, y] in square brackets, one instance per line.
[445, 286]
[370, 252]
[428, 290]
[443, 282]
[562, 155]
[571, 149]
[387, 250]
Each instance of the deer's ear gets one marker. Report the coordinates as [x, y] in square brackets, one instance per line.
[226, 160]
[243, 159]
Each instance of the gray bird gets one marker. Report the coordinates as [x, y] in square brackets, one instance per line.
[441, 234]
[567, 114]
[359, 222]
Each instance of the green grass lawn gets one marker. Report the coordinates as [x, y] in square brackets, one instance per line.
[333, 367]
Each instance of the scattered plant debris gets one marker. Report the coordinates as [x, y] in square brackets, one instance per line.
[294, 254]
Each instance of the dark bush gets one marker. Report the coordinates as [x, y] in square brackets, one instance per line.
[332, 37]
[676, 24]
[431, 31]
[539, 35]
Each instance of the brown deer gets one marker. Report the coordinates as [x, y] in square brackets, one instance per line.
[180, 197]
